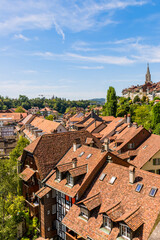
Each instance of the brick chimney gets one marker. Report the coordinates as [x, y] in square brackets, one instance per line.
[76, 144]
[128, 118]
[106, 144]
[131, 174]
[74, 162]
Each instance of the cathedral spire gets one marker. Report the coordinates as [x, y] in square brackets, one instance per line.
[148, 75]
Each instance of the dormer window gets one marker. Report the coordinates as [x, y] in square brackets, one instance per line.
[70, 180]
[125, 231]
[84, 213]
[107, 222]
[58, 175]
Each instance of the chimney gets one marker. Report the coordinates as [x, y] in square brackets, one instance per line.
[106, 144]
[125, 116]
[135, 125]
[76, 144]
[131, 174]
[109, 158]
[74, 162]
[128, 118]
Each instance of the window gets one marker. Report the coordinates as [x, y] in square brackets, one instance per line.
[53, 193]
[112, 180]
[84, 213]
[139, 187]
[70, 180]
[54, 209]
[58, 175]
[156, 161]
[102, 176]
[81, 154]
[47, 195]
[107, 222]
[89, 155]
[125, 231]
[130, 145]
[48, 212]
[153, 192]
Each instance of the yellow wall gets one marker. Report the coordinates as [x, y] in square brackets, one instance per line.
[149, 165]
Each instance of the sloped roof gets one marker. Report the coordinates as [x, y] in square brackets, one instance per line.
[48, 149]
[147, 150]
[134, 208]
[27, 174]
[42, 192]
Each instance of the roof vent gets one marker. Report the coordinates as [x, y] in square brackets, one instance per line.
[89, 155]
[81, 154]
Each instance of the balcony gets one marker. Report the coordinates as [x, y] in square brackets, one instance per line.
[70, 235]
[33, 208]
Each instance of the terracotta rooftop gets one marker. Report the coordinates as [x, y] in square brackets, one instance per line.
[147, 150]
[48, 149]
[121, 202]
[42, 192]
[84, 166]
[108, 118]
[16, 117]
[27, 174]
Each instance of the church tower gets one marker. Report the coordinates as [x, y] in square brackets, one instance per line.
[148, 75]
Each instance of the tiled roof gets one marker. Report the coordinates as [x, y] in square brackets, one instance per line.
[95, 125]
[77, 171]
[92, 202]
[27, 174]
[42, 192]
[14, 116]
[106, 132]
[65, 167]
[48, 149]
[89, 140]
[108, 118]
[134, 208]
[81, 168]
[147, 150]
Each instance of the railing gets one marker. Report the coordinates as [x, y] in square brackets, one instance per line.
[33, 208]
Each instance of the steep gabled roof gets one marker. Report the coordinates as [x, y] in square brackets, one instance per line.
[147, 150]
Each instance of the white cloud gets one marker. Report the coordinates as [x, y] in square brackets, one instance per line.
[90, 68]
[20, 15]
[20, 36]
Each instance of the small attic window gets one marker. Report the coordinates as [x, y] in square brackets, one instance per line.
[153, 192]
[81, 154]
[145, 146]
[89, 155]
[112, 180]
[139, 187]
[102, 176]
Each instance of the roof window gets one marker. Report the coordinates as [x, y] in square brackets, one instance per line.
[89, 155]
[112, 180]
[102, 176]
[145, 146]
[139, 187]
[81, 154]
[153, 192]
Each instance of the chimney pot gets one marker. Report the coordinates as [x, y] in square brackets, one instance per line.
[106, 144]
[74, 162]
[131, 174]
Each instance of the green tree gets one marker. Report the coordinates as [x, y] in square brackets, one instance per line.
[110, 106]
[136, 99]
[11, 205]
[157, 129]
[143, 116]
[19, 110]
[50, 117]
[156, 114]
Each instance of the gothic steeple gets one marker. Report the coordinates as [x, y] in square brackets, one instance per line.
[148, 75]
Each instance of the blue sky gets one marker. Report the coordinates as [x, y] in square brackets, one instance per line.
[77, 49]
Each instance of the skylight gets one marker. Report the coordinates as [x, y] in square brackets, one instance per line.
[139, 187]
[102, 176]
[89, 155]
[112, 180]
[81, 154]
[153, 192]
[145, 146]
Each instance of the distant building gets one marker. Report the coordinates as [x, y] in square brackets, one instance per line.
[33, 110]
[149, 89]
